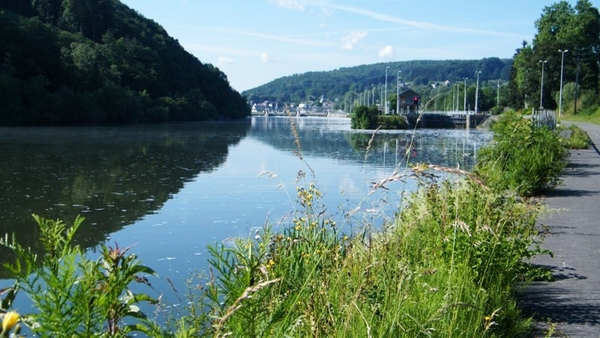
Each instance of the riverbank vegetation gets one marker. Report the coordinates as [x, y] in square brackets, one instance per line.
[364, 117]
[524, 159]
[577, 138]
[447, 265]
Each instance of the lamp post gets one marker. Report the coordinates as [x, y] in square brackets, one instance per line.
[543, 62]
[498, 95]
[385, 90]
[398, 93]
[477, 92]
[455, 102]
[465, 96]
[562, 63]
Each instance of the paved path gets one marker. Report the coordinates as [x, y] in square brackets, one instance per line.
[572, 300]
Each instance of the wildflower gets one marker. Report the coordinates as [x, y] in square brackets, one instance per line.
[270, 264]
[298, 227]
[10, 320]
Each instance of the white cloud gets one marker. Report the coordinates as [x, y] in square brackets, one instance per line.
[264, 57]
[288, 4]
[386, 52]
[224, 61]
[352, 39]
[422, 25]
[281, 38]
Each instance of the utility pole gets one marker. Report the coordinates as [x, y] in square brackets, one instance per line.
[465, 97]
[457, 95]
[562, 63]
[498, 95]
[543, 62]
[398, 93]
[385, 91]
[477, 92]
[577, 58]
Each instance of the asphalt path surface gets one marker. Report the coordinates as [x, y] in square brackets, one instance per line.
[569, 306]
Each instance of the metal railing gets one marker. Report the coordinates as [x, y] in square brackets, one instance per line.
[543, 117]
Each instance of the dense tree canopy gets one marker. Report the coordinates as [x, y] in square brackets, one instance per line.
[561, 27]
[100, 62]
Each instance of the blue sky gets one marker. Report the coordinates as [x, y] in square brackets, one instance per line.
[256, 41]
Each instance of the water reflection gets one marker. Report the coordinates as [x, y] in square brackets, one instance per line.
[112, 176]
[172, 190]
[331, 138]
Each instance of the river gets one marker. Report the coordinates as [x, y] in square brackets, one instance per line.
[168, 191]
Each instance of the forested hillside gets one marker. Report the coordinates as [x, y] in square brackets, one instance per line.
[71, 62]
[349, 82]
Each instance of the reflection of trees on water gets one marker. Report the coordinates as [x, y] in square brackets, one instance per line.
[450, 147]
[111, 176]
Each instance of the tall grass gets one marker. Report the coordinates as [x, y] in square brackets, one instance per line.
[522, 158]
[446, 267]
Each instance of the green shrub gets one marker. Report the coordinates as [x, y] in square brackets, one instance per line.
[364, 117]
[522, 158]
[497, 110]
[578, 139]
[392, 122]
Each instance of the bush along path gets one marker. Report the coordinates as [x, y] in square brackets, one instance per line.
[569, 304]
[448, 265]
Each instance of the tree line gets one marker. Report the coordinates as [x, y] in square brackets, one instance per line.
[68, 62]
[349, 86]
[568, 42]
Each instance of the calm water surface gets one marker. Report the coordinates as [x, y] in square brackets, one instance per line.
[169, 191]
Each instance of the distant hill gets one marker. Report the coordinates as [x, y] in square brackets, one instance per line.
[99, 62]
[336, 84]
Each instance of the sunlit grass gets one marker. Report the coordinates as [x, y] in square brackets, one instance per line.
[589, 116]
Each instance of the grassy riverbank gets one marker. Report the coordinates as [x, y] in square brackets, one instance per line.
[448, 265]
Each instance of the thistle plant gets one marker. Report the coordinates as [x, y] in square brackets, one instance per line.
[75, 295]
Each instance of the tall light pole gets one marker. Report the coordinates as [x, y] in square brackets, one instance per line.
[385, 91]
[465, 97]
[453, 96]
[477, 92]
[457, 96]
[562, 63]
[398, 93]
[498, 95]
[543, 62]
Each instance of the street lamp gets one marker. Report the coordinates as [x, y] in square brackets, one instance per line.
[465, 98]
[543, 62]
[455, 104]
[385, 90]
[477, 92]
[562, 63]
[398, 93]
[498, 95]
